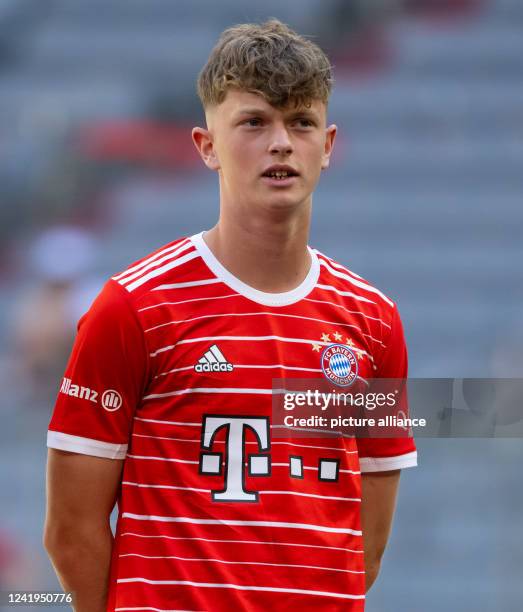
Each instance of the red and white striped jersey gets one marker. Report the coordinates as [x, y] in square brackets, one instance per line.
[172, 371]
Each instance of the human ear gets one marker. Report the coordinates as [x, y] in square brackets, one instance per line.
[203, 141]
[330, 136]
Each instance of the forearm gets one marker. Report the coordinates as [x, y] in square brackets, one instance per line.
[378, 501]
[372, 569]
[82, 563]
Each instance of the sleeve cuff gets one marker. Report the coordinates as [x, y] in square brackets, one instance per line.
[85, 446]
[382, 464]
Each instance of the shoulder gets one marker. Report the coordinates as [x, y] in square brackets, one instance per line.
[354, 288]
[149, 269]
[121, 292]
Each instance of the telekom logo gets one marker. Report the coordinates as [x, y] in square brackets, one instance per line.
[235, 454]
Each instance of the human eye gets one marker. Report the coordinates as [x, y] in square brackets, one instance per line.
[304, 122]
[253, 122]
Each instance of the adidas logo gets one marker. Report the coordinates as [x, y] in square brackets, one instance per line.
[213, 361]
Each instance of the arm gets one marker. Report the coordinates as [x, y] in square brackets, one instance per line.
[378, 500]
[81, 493]
[88, 444]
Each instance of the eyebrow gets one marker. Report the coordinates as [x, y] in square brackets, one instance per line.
[303, 112]
[251, 111]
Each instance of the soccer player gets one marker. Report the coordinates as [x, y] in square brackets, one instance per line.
[165, 406]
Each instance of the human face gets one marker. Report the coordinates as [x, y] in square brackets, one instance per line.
[248, 140]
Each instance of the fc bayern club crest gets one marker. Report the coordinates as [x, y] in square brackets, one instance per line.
[339, 364]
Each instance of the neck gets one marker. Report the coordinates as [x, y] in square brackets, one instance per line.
[267, 251]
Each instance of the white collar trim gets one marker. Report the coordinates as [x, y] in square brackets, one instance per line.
[261, 297]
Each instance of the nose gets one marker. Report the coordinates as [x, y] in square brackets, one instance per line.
[280, 142]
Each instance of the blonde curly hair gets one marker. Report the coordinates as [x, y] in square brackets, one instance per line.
[269, 59]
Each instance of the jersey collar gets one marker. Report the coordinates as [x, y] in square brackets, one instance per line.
[255, 295]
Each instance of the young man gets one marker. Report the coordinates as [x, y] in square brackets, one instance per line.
[165, 405]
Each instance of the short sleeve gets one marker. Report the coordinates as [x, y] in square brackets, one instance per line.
[104, 380]
[381, 454]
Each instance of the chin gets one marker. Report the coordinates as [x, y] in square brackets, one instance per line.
[283, 203]
[285, 199]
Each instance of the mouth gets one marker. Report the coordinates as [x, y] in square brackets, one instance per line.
[283, 175]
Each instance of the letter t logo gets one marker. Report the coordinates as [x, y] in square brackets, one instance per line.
[235, 455]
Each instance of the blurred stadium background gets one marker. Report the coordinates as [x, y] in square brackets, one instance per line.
[424, 198]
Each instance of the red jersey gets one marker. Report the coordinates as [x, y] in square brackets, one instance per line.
[172, 371]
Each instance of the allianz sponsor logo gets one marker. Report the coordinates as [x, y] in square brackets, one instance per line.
[111, 400]
[69, 388]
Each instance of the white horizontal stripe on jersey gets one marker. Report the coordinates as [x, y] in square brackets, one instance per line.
[197, 283]
[310, 467]
[197, 440]
[186, 242]
[168, 422]
[355, 281]
[261, 491]
[256, 314]
[156, 609]
[255, 367]
[335, 264]
[161, 258]
[262, 339]
[246, 367]
[327, 569]
[183, 424]
[204, 299]
[216, 390]
[236, 523]
[240, 339]
[226, 390]
[334, 448]
[358, 312]
[172, 257]
[345, 293]
[158, 486]
[153, 458]
[174, 370]
[262, 542]
[314, 495]
[240, 587]
[249, 339]
[162, 459]
[161, 270]
[192, 440]
[313, 430]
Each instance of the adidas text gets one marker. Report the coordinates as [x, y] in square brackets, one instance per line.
[213, 360]
[214, 367]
